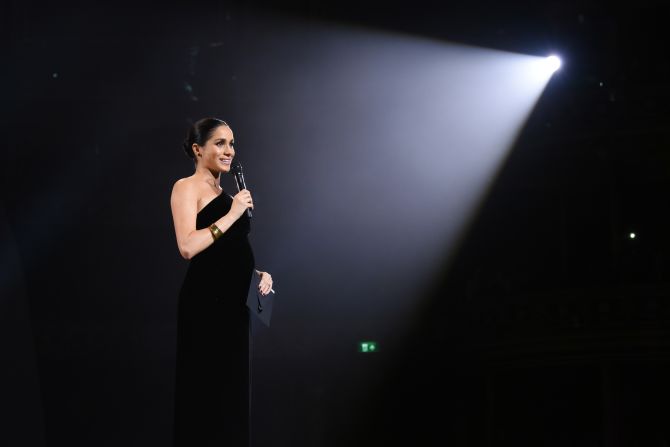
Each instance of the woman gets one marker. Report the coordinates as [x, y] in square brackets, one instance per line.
[213, 373]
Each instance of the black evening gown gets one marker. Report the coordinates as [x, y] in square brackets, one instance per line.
[212, 391]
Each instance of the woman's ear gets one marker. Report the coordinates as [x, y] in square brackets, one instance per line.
[196, 150]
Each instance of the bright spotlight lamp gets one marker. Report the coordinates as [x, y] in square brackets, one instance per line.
[553, 63]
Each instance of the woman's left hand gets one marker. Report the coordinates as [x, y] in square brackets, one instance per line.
[265, 284]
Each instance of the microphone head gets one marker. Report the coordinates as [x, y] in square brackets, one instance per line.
[236, 167]
[239, 177]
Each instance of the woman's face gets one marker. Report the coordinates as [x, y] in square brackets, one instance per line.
[218, 151]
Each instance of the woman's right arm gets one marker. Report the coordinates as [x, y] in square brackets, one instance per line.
[184, 204]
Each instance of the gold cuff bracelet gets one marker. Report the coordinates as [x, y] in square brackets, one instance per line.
[216, 233]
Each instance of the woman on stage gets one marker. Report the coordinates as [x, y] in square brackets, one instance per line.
[212, 391]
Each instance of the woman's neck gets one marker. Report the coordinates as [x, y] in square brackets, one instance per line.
[212, 178]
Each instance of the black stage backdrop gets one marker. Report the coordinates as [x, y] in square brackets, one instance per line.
[545, 323]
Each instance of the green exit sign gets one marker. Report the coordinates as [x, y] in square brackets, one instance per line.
[367, 346]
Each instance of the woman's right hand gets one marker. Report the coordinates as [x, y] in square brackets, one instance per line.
[241, 201]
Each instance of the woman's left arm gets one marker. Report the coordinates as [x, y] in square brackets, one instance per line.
[265, 284]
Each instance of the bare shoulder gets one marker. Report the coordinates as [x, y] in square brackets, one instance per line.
[184, 186]
[184, 189]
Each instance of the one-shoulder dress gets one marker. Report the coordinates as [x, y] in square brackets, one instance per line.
[212, 390]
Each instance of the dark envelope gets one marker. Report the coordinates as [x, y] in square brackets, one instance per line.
[259, 306]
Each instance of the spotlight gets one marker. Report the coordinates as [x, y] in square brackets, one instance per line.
[542, 68]
[553, 63]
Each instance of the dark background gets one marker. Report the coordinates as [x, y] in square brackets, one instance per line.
[547, 326]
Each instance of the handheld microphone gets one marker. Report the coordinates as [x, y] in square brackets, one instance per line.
[239, 179]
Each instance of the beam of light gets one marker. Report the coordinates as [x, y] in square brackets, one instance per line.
[383, 147]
